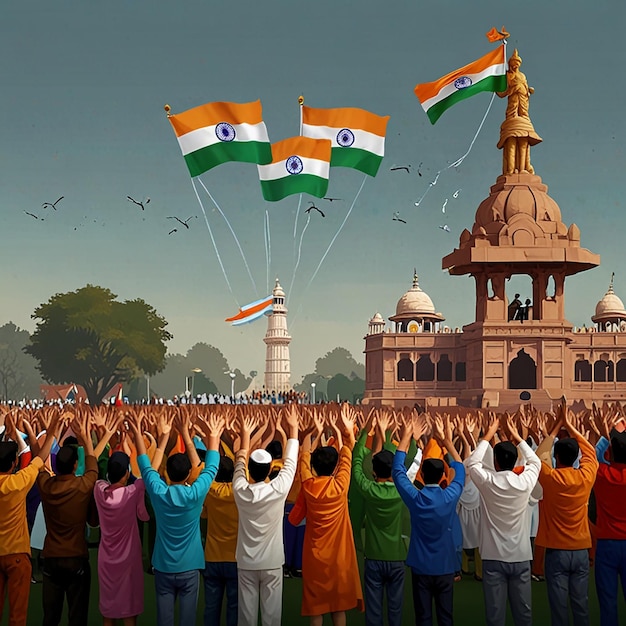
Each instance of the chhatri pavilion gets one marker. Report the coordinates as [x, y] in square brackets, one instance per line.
[512, 352]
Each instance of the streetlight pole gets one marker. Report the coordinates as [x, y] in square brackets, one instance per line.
[148, 388]
[312, 393]
[195, 370]
[232, 385]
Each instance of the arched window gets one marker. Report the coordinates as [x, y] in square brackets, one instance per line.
[444, 368]
[425, 368]
[459, 372]
[582, 371]
[405, 368]
[620, 371]
[522, 372]
[600, 368]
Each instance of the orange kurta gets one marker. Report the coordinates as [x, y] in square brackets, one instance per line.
[330, 574]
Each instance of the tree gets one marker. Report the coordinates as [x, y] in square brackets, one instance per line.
[18, 371]
[339, 361]
[90, 338]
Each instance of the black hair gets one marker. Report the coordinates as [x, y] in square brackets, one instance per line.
[618, 446]
[201, 454]
[66, 460]
[432, 471]
[70, 441]
[275, 448]
[566, 451]
[225, 470]
[116, 470]
[505, 454]
[324, 460]
[258, 471]
[8, 455]
[381, 464]
[178, 467]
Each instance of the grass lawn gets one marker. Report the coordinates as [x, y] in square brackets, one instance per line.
[468, 604]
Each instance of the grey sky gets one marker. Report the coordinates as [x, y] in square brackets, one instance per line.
[84, 86]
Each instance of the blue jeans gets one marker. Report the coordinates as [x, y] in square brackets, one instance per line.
[610, 566]
[567, 578]
[220, 577]
[378, 576]
[502, 580]
[427, 588]
[169, 587]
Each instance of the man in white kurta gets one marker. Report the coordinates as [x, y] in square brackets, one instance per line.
[260, 554]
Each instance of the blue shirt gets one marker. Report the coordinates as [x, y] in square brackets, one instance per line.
[433, 545]
[177, 508]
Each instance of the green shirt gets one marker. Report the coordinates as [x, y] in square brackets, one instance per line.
[384, 511]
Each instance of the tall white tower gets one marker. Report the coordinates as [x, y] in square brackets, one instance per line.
[277, 340]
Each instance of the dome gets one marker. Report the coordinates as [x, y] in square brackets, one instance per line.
[610, 307]
[278, 290]
[415, 301]
[377, 319]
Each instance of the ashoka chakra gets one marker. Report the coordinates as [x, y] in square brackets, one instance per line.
[294, 165]
[225, 132]
[345, 138]
[463, 82]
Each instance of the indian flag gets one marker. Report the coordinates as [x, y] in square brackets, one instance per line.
[299, 165]
[254, 310]
[218, 132]
[485, 74]
[357, 136]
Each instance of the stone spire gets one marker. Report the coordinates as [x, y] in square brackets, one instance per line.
[277, 340]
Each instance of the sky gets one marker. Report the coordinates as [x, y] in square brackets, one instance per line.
[83, 90]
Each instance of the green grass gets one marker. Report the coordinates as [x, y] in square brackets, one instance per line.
[468, 604]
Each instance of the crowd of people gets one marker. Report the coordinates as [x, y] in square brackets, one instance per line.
[293, 491]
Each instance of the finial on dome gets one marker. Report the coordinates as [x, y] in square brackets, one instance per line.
[611, 283]
[415, 281]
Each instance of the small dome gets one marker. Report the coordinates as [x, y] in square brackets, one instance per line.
[610, 307]
[377, 319]
[415, 301]
[278, 290]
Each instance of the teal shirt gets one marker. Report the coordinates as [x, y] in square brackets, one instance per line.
[177, 509]
[384, 511]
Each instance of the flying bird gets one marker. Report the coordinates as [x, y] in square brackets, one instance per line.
[52, 204]
[395, 168]
[314, 207]
[445, 227]
[33, 215]
[185, 224]
[419, 168]
[141, 204]
[174, 230]
[397, 218]
[332, 199]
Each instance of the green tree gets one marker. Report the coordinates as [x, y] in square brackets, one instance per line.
[19, 377]
[339, 361]
[90, 338]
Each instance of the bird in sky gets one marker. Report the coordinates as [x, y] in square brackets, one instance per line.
[456, 193]
[332, 199]
[445, 227]
[184, 223]
[397, 218]
[395, 168]
[141, 204]
[33, 215]
[419, 168]
[52, 204]
[314, 207]
[174, 230]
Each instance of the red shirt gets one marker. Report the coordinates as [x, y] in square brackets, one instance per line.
[610, 490]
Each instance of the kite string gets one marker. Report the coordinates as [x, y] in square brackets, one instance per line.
[243, 256]
[217, 254]
[295, 269]
[332, 241]
[269, 249]
[461, 159]
[295, 228]
[267, 263]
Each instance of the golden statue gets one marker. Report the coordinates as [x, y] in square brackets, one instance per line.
[517, 133]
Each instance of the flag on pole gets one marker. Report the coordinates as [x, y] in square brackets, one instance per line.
[252, 311]
[496, 35]
[485, 74]
[119, 399]
[299, 165]
[357, 136]
[218, 132]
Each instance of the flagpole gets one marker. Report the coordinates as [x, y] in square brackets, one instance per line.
[295, 223]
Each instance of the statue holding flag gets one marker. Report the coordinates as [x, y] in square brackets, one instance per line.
[517, 133]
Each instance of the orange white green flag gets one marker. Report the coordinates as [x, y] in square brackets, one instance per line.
[357, 136]
[218, 132]
[485, 74]
[299, 165]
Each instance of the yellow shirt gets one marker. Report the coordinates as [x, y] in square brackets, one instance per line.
[14, 537]
[223, 519]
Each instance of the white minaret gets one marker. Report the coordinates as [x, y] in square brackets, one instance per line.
[277, 340]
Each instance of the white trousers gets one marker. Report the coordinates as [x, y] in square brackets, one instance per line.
[265, 585]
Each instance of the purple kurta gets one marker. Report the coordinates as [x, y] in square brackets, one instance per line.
[120, 570]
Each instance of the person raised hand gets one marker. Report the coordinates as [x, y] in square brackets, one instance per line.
[292, 418]
[491, 427]
[347, 419]
[247, 423]
[513, 432]
[215, 425]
